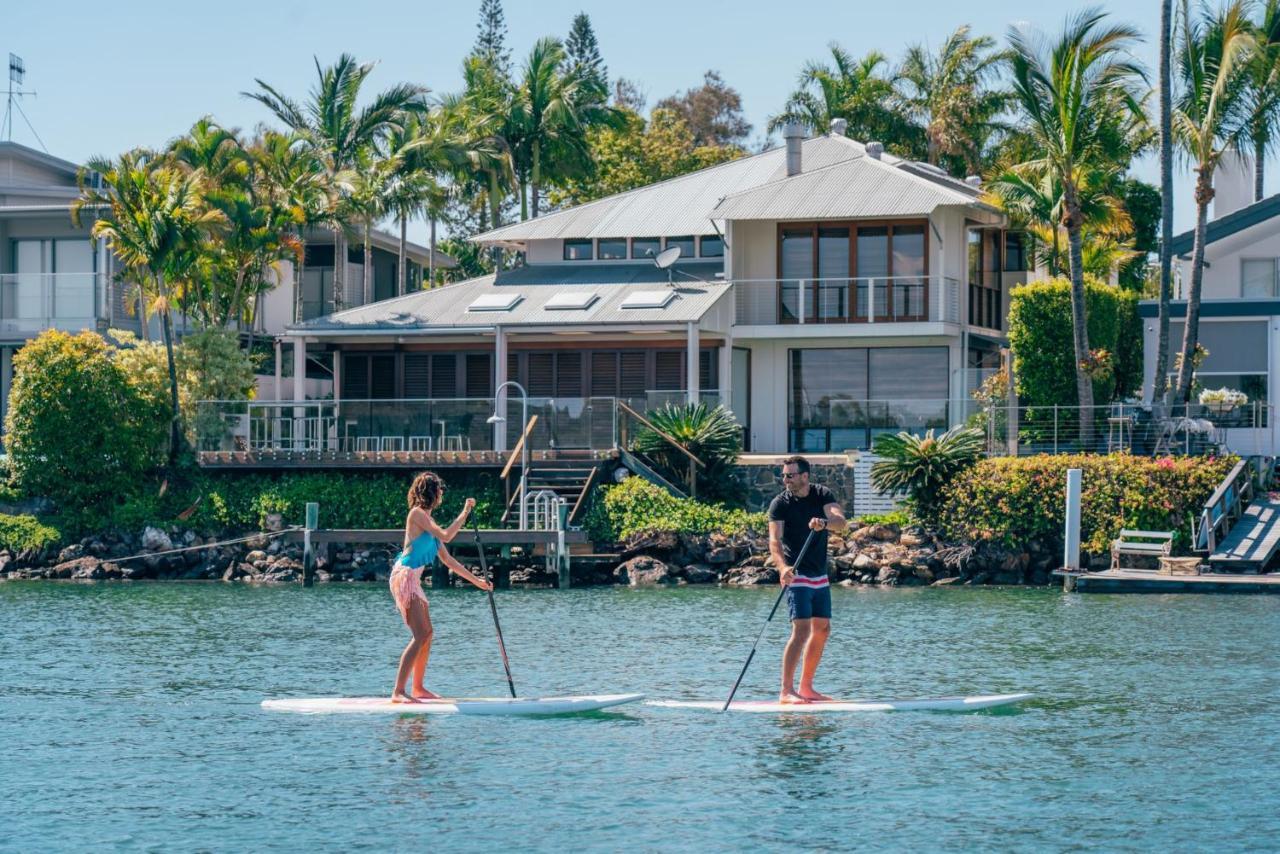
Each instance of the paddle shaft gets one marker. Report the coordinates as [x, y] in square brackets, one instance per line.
[493, 606]
[776, 602]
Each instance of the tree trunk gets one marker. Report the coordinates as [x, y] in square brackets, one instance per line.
[536, 176]
[166, 329]
[431, 257]
[1259, 168]
[524, 201]
[339, 266]
[400, 270]
[253, 319]
[1160, 379]
[1191, 332]
[368, 264]
[1079, 322]
[299, 276]
[495, 204]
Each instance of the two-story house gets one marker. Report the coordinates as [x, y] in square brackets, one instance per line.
[825, 291]
[1239, 309]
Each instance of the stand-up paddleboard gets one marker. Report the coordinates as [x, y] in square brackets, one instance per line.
[453, 706]
[939, 704]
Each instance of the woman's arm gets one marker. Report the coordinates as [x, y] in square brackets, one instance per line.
[458, 569]
[444, 535]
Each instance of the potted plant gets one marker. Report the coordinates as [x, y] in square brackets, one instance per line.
[1222, 400]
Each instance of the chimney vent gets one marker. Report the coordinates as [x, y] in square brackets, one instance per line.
[793, 133]
[875, 149]
[974, 180]
[839, 126]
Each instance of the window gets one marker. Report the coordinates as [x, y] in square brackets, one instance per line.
[577, 250]
[1258, 278]
[685, 244]
[842, 398]
[613, 249]
[571, 301]
[985, 297]
[711, 247]
[853, 273]
[649, 299]
[1015, 255]
[645, 247]
[494, 302]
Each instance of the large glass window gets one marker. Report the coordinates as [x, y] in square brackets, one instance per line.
[908, 286]
[577, 250]
[685, 243]
[833, 273]
[1015, 255]
[711, 247]
[1258, 278]
[841, 398]
[645, 247]
[612, 249]
[797, 267]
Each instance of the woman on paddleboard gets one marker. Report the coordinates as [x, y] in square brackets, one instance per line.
[424, 542]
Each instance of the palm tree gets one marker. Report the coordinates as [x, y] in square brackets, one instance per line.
[1068, 91]
[1159, 380]
[149, 213]
[485, 118]
[950, 96]
[1214, 53]
[1263, 93]
[428, 150]
[850, 89]
[289, 174]
[337, 129]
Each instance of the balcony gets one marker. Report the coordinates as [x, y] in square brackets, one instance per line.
[33, 302]
[888, 299]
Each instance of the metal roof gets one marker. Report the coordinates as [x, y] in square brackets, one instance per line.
[442, 309]
[861, 187]
[1232, 223]
[684, 205]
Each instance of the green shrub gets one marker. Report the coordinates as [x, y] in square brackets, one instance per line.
[711, 434]
[78, 431]
[1012, 501]
[920, 466]
[896, 517]
[1040, 334]
[1129, 366]
[636, 506]
[18, 533]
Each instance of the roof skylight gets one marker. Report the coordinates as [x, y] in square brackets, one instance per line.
[649, 299]
[495, 302]
[571, 301]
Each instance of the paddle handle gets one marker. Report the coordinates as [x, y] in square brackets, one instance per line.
[776, 602]
[493, 606]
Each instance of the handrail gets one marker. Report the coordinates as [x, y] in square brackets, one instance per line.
[528, 428]
[582, 496]
[1215, 514]
[1227, 482]
[669, 439]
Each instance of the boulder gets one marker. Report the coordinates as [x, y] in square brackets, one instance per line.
[924, 573]
[864, 561]
[887, 575]
[71, 553]
[748, 576]
[155, 540]
[911, 539]
[700, 573]
[722, 555]
[255, 556]
[644, 570]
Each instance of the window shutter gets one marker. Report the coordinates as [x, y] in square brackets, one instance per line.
[604, 374]
[706, 370]
[355, 377]
[634, 381]
[444, 375]
[668, 370]
[569, 375]
[382, 382]
[541, 374]
[479, 383]
[417, 375]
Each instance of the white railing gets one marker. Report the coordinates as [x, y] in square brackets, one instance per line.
[879, 299]
[32, 302]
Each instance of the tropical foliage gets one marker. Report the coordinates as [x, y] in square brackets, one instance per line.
[636, 506]
[709, 433]
[920, 466]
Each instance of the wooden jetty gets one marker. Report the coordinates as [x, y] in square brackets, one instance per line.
[1149, 581]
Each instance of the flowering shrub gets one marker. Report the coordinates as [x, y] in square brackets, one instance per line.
[1225, 398]
[636, 506]
[1011, 501]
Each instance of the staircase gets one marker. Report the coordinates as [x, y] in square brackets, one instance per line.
[569, 479]
[1247, 518]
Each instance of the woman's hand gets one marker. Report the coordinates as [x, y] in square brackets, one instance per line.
[468, 506]
[483, 585]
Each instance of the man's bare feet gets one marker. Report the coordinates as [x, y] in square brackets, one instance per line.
[424, 694]
[402, 697]
[809, 695]
[791, 698]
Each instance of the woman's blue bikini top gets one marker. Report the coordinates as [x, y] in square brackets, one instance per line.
[420, 552]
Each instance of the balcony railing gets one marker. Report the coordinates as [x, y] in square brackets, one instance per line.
[33, 302]
[881, 299]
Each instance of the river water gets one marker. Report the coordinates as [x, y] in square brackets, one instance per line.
[130, 719]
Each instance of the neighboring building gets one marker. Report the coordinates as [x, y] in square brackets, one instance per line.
[826, 292]
[53, 276]
[1239, 308]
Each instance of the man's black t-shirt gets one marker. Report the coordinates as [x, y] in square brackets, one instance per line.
[794, 513]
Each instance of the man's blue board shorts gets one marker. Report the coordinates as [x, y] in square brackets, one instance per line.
[808, 598]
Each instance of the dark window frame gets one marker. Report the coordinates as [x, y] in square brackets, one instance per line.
[589, 244]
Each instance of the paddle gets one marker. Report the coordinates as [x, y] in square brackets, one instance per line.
[774, 610]
[493, 607]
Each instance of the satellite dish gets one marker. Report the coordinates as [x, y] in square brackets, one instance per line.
[667, 257]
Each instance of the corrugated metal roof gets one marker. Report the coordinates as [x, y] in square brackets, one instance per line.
[862, 187]
[684, 205]
[447, 308]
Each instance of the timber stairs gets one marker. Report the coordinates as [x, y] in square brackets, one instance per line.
[1239, 525]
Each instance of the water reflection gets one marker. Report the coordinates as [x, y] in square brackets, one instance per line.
[409, 742]
[802, 746]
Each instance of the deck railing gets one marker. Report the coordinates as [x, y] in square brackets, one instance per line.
[32, 302]
[876, 299]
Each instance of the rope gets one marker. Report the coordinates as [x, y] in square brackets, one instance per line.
[205, 546]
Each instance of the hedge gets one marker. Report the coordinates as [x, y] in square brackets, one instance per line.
[18, 533]
[636, 506]
[1013, 500]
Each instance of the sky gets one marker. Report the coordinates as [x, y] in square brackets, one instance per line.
[143, 72]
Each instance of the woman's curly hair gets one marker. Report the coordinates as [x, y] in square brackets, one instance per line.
[425, 491]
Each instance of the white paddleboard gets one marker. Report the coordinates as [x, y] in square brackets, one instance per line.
[939, 704]
[453, 706]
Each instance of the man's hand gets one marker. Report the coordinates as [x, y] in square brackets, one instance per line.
[785, 574]
[817, 524]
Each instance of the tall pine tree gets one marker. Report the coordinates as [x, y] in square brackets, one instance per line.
[491, 38]
[583, 54]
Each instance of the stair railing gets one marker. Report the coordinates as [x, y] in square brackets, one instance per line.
[694, 462]
[511, 461]
[1223, 508]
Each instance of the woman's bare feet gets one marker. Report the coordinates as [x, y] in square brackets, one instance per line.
[402, 697]
[421, 693]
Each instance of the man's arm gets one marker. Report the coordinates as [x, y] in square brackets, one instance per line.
[835, 517]
[785, 571]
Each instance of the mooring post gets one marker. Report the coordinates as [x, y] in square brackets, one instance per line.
[439, 576]
[1071, 536]
[562, 552]
[308, 553]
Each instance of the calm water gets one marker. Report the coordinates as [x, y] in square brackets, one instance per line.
[129, 719]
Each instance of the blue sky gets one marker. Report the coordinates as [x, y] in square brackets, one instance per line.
[144, 70]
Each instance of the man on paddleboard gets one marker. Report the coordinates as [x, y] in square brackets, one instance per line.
[802, 507]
